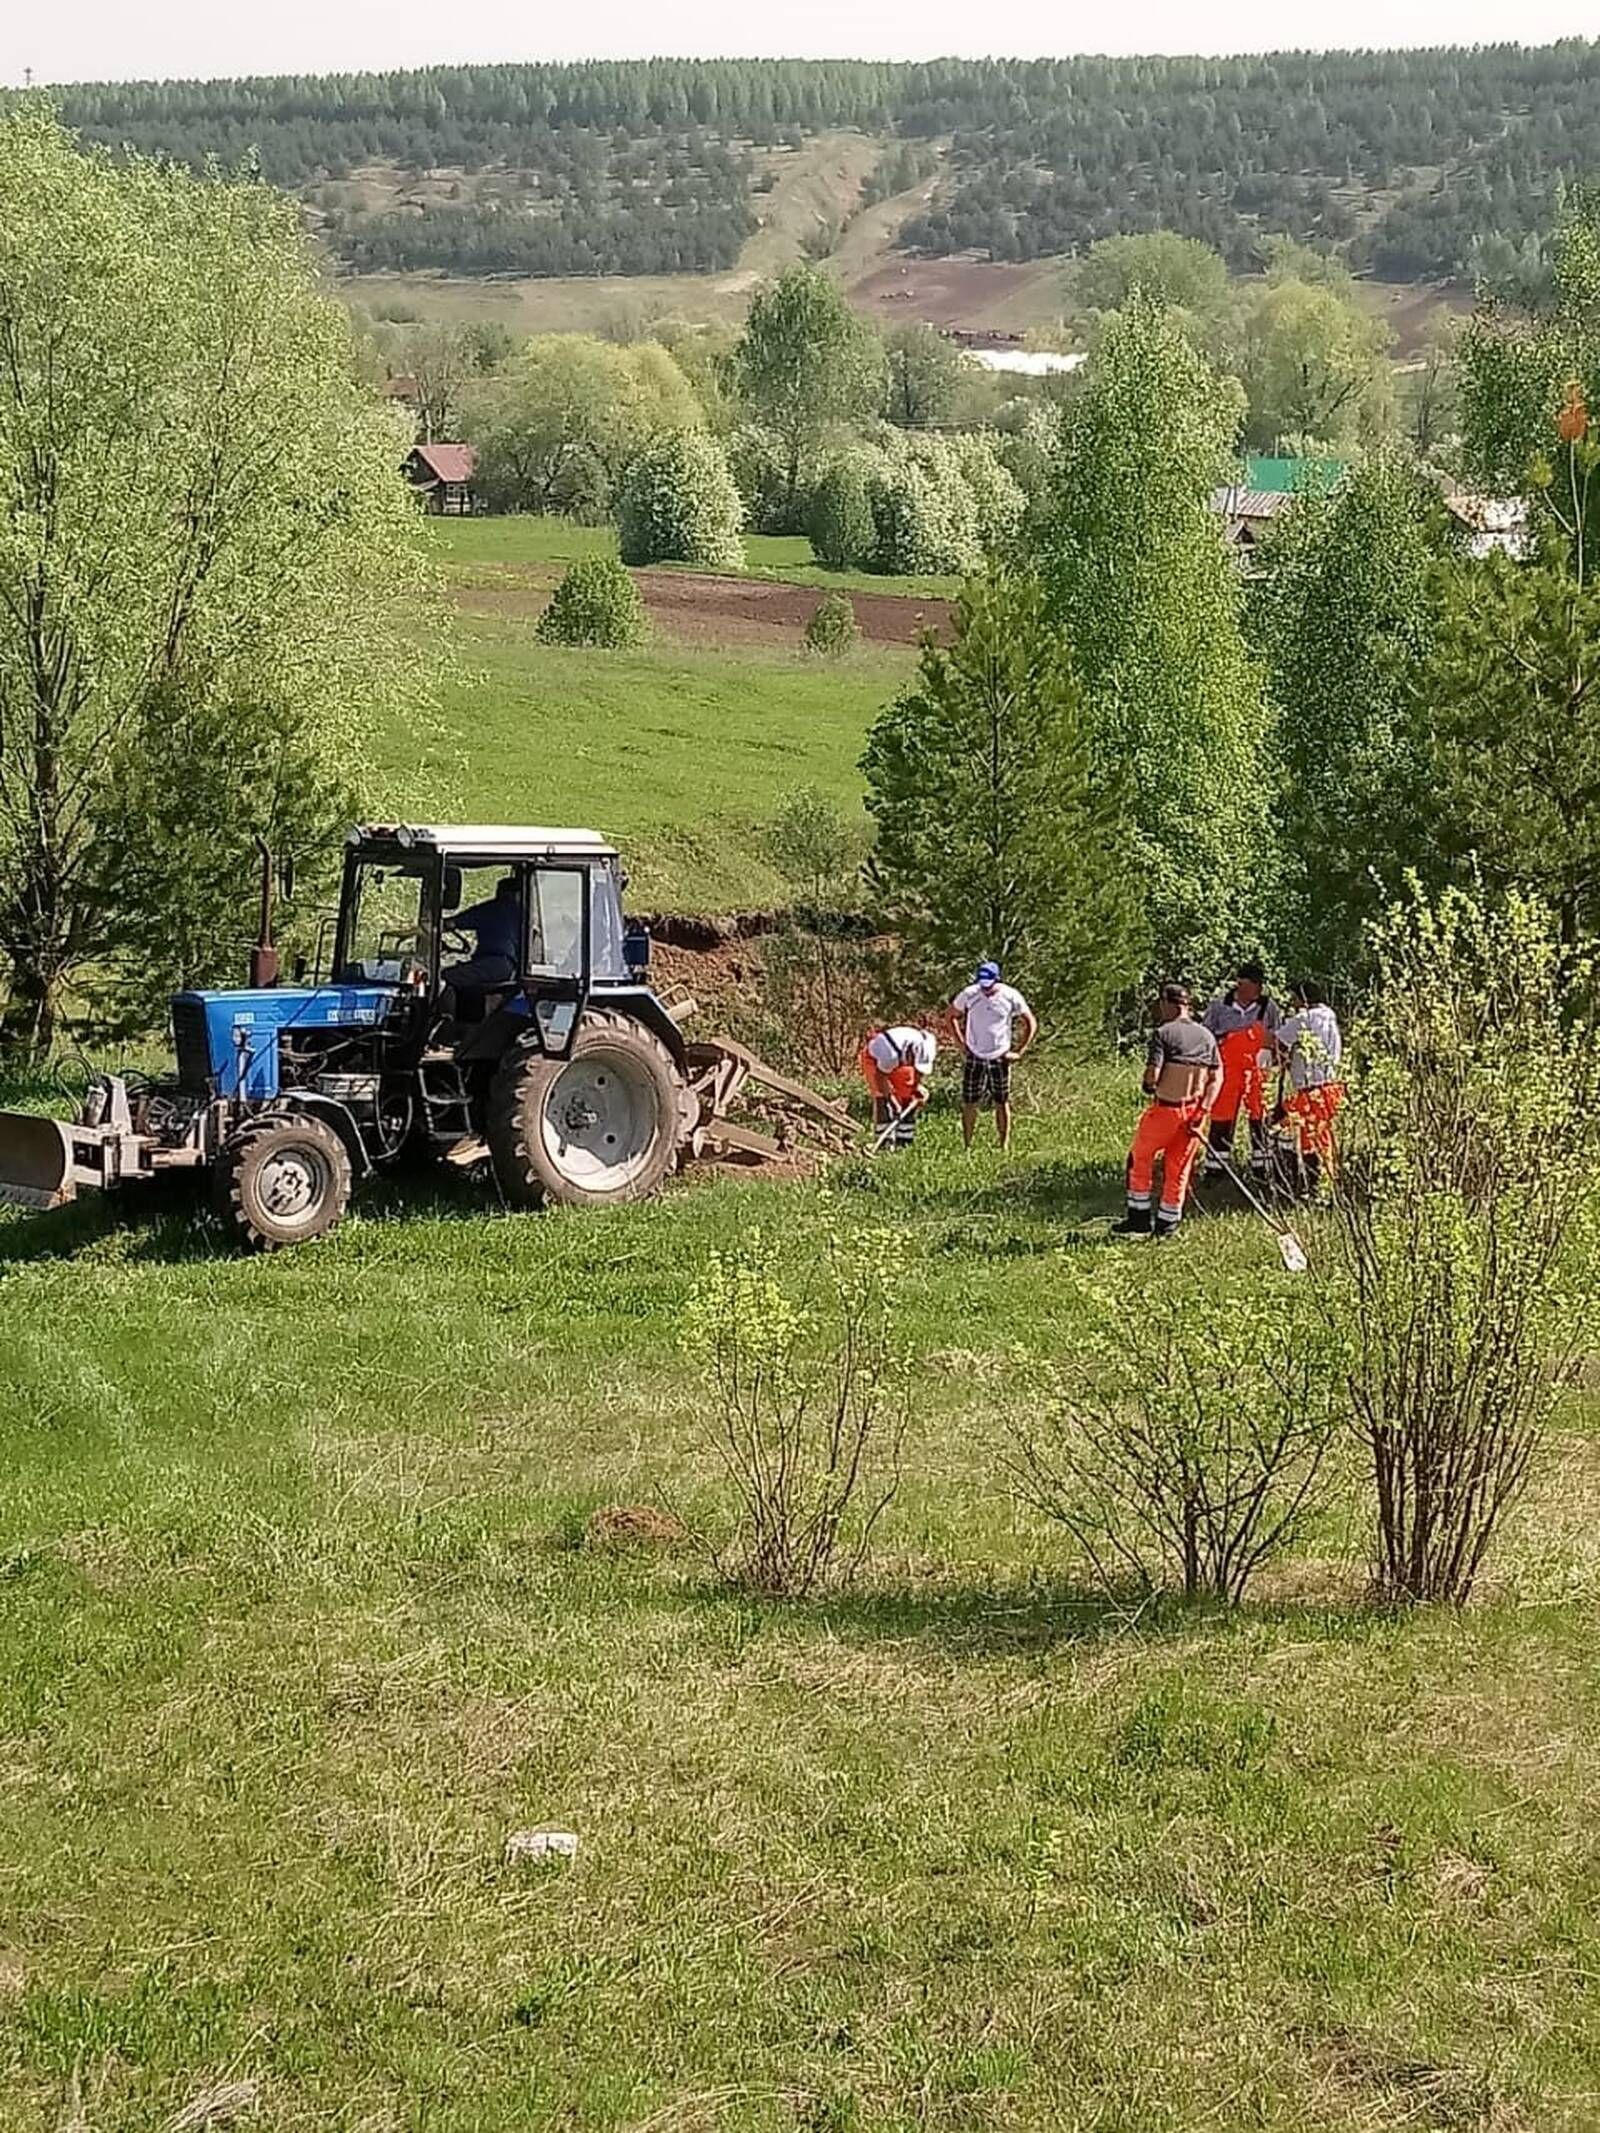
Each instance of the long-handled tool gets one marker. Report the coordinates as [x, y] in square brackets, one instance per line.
[896, 1113]
[1290, 1250]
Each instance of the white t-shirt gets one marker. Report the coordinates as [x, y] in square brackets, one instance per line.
[889, 1047]
[989, 1018]
[1314, 1035]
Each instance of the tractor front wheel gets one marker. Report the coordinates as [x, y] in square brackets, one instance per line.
[597, 1128]
[281, 1180]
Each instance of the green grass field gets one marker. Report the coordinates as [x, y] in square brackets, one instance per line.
[294, 1629]
[468, 546]
[681, 754]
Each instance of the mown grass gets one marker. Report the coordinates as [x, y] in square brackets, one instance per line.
[474, 544]
[294, 1630]
[682, 754]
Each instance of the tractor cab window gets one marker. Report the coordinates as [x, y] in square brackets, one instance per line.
[558, 896]
[381, 937]
[556, 946]
[482, 927]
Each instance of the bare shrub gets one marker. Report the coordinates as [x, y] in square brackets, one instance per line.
[806, 1406]
[1464, 1223]
[821, 971]
[1186, 1439]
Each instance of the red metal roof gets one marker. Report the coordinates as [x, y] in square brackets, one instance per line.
[448, 462]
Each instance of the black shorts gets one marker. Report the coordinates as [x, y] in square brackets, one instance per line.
[985, 1081]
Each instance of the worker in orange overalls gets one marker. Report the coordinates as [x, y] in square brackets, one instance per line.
[1182, 1078]
[895, 1064]
[1242, 1020]
[1310, 1044]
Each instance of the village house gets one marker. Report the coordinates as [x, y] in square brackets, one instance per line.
[441, 475]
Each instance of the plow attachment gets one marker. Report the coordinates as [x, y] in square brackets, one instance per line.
[750, 1113]
[38, 1166]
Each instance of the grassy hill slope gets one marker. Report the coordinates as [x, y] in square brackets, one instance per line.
[299, 1626]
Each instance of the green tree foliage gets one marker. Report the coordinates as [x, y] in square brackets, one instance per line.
[1314, 365]
[1148, 598]
[207, 564]
[598, 604]
[678, 504]
[940, 505]
[438, 365]
[833, 629]
[925, 519]
[839, 518]
[804, 363]
[555, 428]
[1176, 272]
[1512, 692]
[1517, 365]
[1345, 618]
[926, 373]
[998, 831]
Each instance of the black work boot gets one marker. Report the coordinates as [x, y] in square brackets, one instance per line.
[1135, 1223]
[1166, 1228]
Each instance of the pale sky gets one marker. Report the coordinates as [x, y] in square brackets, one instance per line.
[97, 40]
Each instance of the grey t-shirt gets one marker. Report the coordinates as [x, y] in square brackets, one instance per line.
[1182, 1042]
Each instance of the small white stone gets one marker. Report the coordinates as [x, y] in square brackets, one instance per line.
[525, 1844]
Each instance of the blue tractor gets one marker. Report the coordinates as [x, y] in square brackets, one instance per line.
[483, 1003]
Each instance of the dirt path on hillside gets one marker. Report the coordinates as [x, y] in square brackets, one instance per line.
[690, 607]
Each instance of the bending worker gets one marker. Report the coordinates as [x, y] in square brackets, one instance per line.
[1182, 1077]
[895, 1064]
[983, 1013]
[1242, 1020]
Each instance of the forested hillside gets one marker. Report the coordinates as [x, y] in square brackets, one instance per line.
[1408, 162]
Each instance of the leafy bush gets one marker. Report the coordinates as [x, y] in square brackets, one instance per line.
[596, 603]
[833, 628]
[1176, 1456]
[756, 461]
[839, 520]
[807, 1405]
[924, 516]
[678, 504]
[997, 496]
[1465, 1224]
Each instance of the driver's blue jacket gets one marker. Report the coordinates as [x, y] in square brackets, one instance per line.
[496, 924]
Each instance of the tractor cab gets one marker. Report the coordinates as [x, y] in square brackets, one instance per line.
[470, 923]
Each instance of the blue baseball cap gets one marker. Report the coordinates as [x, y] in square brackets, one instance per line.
[988, 973]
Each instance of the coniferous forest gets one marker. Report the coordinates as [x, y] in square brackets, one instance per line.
[1414, 165]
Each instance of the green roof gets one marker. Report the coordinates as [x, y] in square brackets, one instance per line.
[1291, 477]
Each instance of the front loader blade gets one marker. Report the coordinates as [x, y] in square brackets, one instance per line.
[36, 1161]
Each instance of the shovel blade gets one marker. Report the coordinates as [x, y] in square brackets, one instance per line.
[35, 1161]
[1292, 1252]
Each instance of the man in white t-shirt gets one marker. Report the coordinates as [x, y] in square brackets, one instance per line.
[896, 1063]
[984, 1015]
[1311, 1046]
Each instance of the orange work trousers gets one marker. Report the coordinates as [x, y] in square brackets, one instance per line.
[900, 1082]
[1242, 1087]
[1173, 1132]
[1312, 1113]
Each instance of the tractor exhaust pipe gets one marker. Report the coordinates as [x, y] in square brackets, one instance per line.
[264, 962]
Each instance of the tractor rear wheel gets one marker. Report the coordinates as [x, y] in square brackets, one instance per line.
[283, 1179]
[592, 1130]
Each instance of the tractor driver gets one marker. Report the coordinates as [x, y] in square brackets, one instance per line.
[496, 927]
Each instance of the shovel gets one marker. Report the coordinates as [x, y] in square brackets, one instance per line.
[1290, 1250]
[896, 1113]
